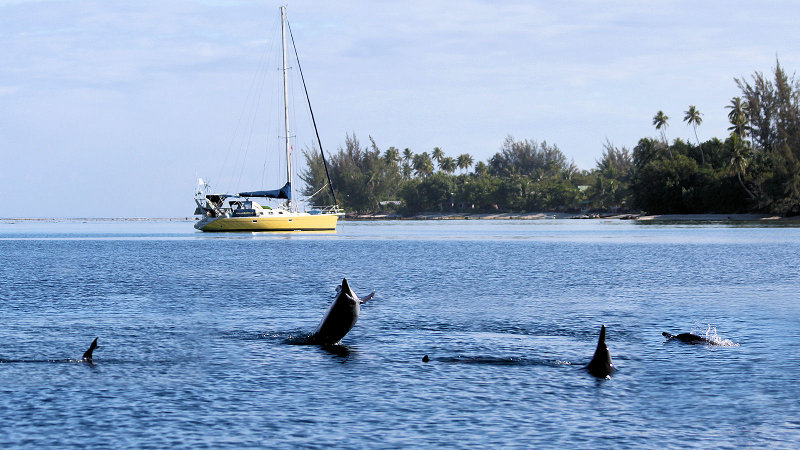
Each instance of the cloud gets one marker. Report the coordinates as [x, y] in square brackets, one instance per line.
[163, 83]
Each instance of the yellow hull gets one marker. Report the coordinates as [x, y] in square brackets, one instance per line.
[302, 222]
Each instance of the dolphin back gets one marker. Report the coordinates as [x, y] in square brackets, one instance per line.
[689, 338]
[601, 365]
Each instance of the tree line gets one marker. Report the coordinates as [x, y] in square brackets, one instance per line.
[755, 168]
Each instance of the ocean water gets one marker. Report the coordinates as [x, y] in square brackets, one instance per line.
[198, 335]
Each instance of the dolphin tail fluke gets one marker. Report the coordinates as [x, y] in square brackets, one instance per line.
[87, 356]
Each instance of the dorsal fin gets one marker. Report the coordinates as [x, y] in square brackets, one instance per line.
[601, 342]
[601, 365]
[87, 355]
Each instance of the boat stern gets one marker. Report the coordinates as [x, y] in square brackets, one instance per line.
[203, 223]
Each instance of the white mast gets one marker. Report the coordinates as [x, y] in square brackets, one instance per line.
[286, 106]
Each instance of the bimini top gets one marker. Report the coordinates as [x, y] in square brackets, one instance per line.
[284, 192]
[216, 198]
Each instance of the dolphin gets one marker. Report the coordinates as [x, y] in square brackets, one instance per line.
[366, 297]
[341, 317]
[361, 299]
[689, 338]
[87, 355]
[601, 365]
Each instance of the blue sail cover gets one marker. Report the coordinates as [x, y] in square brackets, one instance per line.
[284, 192]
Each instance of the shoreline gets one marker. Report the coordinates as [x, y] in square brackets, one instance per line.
[464, 216]
[573, 216]
[97, 219]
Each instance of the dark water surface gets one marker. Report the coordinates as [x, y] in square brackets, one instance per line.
[196, 335]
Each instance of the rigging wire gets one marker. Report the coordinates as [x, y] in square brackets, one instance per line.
[294, 153]
[239, 127]
[271, 152]
[308, 99]
[249, 134]
[318, 191]
[236, 157]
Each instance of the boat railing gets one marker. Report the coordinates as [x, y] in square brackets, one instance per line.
[332, 209]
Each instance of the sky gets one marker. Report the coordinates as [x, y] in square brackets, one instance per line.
[115, 108]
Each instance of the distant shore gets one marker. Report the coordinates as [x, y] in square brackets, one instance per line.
[552, 215]
[97, 219]
[463, 216]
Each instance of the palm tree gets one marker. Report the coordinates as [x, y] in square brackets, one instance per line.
[422, 164]
[739, 128]
[407, 155]
[392, 155]
[464, 161]
[406, 169]
[739, 161]
[437, 156]
[447, 165]
[481, 168]
[660, 121]
[738, 117]
[693, 117]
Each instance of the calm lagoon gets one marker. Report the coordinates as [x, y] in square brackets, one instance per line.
[196, 332]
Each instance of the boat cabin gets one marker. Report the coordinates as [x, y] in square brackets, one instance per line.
[221, 205]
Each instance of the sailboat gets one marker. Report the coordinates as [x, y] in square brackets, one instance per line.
[239, 212]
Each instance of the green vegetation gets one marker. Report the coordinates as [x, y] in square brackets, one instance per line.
[754, 169]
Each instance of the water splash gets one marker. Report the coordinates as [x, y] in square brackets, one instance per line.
[713, 337]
